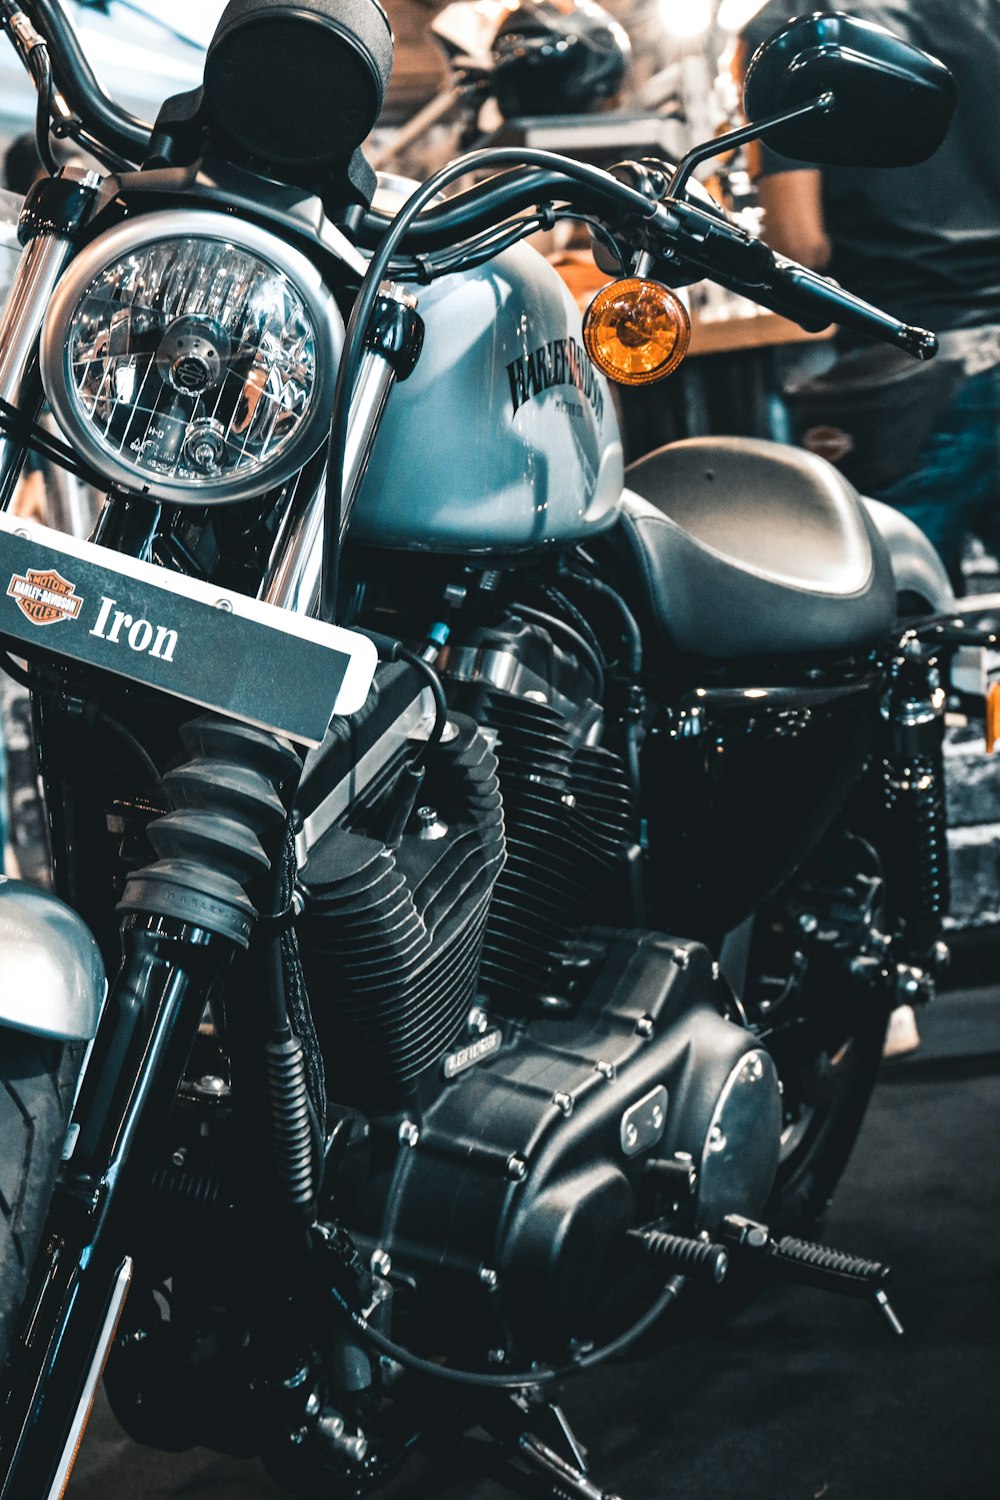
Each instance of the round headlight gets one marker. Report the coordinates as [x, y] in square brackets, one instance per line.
[192, 357]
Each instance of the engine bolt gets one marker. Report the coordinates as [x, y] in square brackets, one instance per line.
[631, 1134]
[606, 1070]
[497, 1356]
[409, 1133]
[517, 1168]
[716, 1139]
[477, 1021]
[381, 1263]
[489, 1278]
[682, 957]
[644, 1026]
[807, 922]
[312, 1405]
[563, 1101]
[753, 1068]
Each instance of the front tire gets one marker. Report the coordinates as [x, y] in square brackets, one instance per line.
[37, 1077]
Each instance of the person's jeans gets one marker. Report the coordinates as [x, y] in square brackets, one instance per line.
[954, 486]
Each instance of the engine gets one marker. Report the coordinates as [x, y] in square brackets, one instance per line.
[524, 1075]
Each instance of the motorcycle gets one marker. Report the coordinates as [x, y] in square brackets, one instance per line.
[505, 864]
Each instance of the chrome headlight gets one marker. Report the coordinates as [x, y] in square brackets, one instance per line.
[192, 357]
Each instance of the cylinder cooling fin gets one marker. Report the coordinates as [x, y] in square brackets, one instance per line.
[394, 934]
[568, 814]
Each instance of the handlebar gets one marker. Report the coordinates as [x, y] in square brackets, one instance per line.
[102, 118]
[676, 232]
[748, 266]
[673, 230]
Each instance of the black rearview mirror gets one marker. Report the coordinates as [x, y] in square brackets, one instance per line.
[892, 103]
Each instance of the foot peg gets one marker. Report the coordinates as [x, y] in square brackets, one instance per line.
[812, 1265]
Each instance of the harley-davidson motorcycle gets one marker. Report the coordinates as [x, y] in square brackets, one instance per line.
[503, 865]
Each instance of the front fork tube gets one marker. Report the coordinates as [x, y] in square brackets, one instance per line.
[82, 1273]
[54, 212]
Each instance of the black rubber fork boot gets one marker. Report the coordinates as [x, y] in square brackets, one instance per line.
[225, 800]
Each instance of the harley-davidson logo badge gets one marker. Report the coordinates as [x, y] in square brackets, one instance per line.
[45, 597]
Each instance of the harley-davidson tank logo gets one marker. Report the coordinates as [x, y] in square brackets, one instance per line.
[559, 362]
[45, 597]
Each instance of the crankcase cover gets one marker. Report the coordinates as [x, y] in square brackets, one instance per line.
[515, 1203]
[504, 439]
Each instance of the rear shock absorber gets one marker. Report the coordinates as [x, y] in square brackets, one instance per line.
[915, 850]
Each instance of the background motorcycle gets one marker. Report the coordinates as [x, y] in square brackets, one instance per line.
[444, 1053]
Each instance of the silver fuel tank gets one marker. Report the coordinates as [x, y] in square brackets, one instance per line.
[504, 439]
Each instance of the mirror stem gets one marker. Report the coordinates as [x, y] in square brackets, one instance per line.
[756, 130]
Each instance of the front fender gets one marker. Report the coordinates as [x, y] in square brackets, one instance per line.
[52, 979]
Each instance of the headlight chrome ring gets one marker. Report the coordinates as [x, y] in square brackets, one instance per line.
[192, 356]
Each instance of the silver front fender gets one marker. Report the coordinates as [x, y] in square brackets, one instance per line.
[52, 979]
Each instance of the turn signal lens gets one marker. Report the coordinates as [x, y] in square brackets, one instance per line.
[636, 331]
[992, 716]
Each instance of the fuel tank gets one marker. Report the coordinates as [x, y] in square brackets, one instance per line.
[504, 439]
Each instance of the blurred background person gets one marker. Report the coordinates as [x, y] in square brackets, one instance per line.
[924, 243]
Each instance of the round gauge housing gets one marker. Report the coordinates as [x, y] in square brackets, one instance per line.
[192, 357]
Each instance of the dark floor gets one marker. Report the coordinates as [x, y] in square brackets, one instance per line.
[802, 1396]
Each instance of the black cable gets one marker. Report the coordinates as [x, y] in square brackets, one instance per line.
[630, 627]
[400, 653]
[632, 633]
[34, 437]
[513, 1382]
[576, 640]
[41, 72]
[138, 749]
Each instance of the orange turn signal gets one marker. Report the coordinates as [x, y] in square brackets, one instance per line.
[636, 331]
[992, 716]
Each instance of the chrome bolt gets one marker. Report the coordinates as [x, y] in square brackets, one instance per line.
[178, 1157]
[682, 957]
[381, 1263]
[631, 1134]
[716, 971]
[644, 1026]
[298, 1436]
[563, 1101]
[312, 1405]
[226, 605]
[753, 1068]
[716, 1139]
[211, 1084]
[517, 1168]
[807, 922]
[409, 1133]
[656, 1115]
[489, 1278]
[606, 1070]
[477, 1020]
[497, 1356]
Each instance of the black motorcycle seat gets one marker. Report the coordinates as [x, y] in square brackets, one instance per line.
[744, 547]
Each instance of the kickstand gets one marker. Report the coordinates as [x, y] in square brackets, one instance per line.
[539, 1434]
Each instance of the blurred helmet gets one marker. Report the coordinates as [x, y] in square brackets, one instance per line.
[557, 57]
